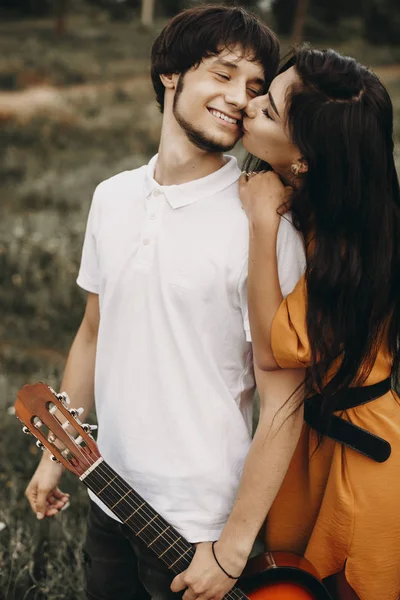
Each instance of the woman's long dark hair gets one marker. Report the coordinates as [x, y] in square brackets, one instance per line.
[340, 116]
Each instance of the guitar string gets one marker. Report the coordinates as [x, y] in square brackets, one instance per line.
[143, 512]
[177, 550]
[165, 535]
[236, 594]
[180, 552]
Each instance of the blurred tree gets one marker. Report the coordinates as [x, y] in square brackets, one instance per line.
[299, 20]
[324, 19]
[60, 16]
[330, 13]
[382, 22]
[169, 8]
[26, 8]
[118, 10]
[147, 13]
[284, 15]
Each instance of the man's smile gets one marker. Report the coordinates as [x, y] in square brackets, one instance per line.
[222, 116]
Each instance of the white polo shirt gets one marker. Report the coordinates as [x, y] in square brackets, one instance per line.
[174, 378]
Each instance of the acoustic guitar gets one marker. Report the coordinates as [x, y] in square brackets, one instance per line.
[269, 576]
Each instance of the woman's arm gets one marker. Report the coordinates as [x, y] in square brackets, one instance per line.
[272, 448]
[270, 453]
[264, 292]
[261, 197]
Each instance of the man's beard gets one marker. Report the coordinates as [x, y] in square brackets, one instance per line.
[197, 138]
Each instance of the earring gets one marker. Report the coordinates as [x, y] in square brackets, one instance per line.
[295, 168]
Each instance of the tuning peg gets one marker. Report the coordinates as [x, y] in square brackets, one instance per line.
[64, 398]
[26, 430]
[61, 396]
[89, 428]
[76, 412]
[53, 458]
[40, 445]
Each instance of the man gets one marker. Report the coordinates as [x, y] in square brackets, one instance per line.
[164, 345]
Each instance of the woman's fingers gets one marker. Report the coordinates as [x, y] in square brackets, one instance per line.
[261, 194]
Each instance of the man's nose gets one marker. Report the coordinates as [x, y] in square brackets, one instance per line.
[237, 97]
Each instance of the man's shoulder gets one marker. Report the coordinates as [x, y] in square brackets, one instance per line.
[121, 182]
[290, 239]
[290, 253]
[287, 231]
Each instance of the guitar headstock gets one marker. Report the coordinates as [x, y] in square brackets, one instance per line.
[46, 416]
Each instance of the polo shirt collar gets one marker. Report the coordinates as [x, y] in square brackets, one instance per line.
[187, 193]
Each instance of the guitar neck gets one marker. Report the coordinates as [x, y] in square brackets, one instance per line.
[149, 526]
[146, 524]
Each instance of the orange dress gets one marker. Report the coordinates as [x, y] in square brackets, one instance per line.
[337, 507]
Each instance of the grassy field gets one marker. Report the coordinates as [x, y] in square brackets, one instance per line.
[93, 116]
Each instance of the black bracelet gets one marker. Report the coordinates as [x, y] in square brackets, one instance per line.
[219, 564]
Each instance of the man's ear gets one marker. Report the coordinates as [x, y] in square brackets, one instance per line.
[169, 80]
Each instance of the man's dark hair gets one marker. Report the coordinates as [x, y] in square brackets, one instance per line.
[204, 31]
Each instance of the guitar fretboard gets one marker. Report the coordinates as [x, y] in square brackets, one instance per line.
[150, 527]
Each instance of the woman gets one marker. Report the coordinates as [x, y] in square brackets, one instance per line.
[326, 127]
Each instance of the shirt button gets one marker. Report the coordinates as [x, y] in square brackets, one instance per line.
[157, 192]
[146, 242]
[152, 216]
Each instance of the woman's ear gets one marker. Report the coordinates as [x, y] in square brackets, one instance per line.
[303, 165]
[169, 80]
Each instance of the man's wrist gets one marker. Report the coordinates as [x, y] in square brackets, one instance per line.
[233, 554]
[221, 566]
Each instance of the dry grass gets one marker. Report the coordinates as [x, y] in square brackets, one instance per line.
[39, 559]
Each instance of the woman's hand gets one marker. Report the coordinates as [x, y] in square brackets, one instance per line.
[262, 194]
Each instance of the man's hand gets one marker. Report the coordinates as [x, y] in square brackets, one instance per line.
[45, 498]
[204, 579]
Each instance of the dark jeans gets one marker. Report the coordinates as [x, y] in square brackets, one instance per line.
[120, 567]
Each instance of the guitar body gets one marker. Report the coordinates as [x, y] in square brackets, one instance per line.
[281, 576]
[45, 414]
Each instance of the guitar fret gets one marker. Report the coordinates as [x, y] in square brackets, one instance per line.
[169, 547]
[135, 511]
[118, 501]
[122, 500]
[238, 594]
[159, 535]
[179, 558]
[147, 524]
[111, 480]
